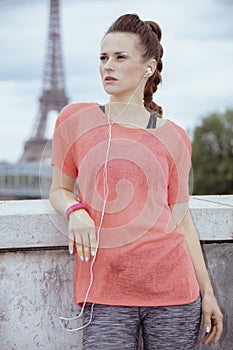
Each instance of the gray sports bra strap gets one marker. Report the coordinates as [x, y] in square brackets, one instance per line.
[152, 121]
[102, 108]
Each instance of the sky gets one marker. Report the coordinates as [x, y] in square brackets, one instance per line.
[197, 37]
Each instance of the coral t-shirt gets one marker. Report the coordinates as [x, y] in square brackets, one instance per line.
[142, 259]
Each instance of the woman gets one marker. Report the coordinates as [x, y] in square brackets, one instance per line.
[138, 257]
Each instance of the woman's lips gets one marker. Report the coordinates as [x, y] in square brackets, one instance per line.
[109, 79]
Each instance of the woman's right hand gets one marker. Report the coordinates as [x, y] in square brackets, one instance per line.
[82, 233]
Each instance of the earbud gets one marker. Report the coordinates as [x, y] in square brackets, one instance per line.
[148, 71]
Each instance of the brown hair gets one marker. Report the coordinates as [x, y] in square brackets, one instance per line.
[149, 34]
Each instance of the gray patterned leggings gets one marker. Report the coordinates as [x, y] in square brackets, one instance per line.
[163, 327]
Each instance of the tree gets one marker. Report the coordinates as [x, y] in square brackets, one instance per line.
[212, 155]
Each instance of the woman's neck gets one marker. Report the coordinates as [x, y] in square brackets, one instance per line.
[128, 114]
[136, 99]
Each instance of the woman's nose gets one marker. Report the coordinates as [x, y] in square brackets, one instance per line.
[109, 66]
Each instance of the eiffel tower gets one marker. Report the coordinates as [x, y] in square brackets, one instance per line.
[53, 96]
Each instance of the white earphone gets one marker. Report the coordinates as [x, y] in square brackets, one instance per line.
[148, 71]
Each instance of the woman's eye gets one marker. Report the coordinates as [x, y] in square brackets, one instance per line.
[121, 57]
[103, 58]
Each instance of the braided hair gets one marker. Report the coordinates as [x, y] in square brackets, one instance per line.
[149, 34]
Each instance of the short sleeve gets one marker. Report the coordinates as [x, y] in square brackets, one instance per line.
[62, 147]
[178, 183]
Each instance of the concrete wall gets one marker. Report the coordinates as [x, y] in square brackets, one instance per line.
[36, 271]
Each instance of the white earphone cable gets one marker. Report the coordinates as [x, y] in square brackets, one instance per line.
[64, 321]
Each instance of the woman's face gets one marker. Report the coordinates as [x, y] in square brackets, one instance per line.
[121, 66]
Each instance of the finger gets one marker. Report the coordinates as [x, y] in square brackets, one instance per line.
[93, 243]
[207, 327]
[208, 337]
[79, 246]
[207, 322]
[86, 246]
[71, 242]
[219, 329]
[212, 333]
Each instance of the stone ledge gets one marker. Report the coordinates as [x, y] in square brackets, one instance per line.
[34, 223]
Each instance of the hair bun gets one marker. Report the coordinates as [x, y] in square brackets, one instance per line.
[155, 28]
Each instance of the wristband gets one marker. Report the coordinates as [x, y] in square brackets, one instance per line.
[75, 207]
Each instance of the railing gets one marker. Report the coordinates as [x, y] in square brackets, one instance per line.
[36, 271]
[25, 180]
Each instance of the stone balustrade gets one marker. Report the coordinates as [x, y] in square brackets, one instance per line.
[36, 271]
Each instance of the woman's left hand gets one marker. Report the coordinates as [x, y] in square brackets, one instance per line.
[213, 319]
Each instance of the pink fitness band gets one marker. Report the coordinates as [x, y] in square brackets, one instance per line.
[75, 207]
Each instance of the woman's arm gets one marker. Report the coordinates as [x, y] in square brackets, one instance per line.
[212, 314]
[81, 226]
[61, 194]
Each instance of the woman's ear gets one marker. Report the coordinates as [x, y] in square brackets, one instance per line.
[153, 64]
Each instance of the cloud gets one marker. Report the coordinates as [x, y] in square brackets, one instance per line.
[198, 46]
